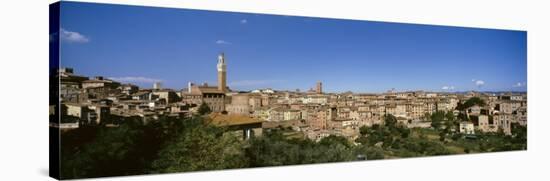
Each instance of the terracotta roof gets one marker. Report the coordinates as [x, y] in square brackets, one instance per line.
[204, 90]
[232, 120]
[98, 81]
[140, 93]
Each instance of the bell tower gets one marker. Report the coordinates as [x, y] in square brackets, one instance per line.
[222, 67]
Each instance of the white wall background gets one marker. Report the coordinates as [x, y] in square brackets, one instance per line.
[24, 87]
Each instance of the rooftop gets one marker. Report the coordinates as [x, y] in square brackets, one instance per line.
[232, 120]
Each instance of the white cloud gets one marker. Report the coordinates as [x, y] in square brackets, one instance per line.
[222, 42]
[72, 36]
[448, 87]
[479, 83]
[253, 82]
[244, 21]
[135, 79]
[520, 84]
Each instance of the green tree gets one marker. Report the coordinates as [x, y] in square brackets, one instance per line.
[371, 152]
[362, 140]
[442, 136]
[204, 109]
[364, 130]
[274, 149]
[471, 102]
[404, 131]
[462, 116]
[390, 121]
[519, 136]
[335, 149]
[334, 140]
[450, 122]
[388, 133]
[438, 119]
[112, 152]
[201, 147]
[427, 116]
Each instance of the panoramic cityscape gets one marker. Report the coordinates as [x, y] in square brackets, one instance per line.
[158, 90]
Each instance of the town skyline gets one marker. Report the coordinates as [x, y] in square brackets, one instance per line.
[345, 55]
[142, 90]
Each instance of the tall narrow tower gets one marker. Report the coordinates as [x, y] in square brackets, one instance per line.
[221, 73]
[319, 88]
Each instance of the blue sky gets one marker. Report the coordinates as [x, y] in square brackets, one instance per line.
[142, 45]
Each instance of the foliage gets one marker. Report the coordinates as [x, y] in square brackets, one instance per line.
[519, 135]
[397, 141]
[390, 121]
[204, 109]
[492, 142]
[113, 152]
[125, 150]
[437, 119]
[462, 117]
[371, 152]
[385, 134]
[450, 120]
[274, 149]
[444, 122]
[175, 145]
[471, 102]
[201, 147]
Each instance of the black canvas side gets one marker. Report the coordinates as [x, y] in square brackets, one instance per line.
[54, 113]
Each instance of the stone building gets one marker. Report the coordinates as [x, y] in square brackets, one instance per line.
[466, 128]
[254, 101]
[69, 79]
[482, 123]
[213, 96]
[129, 89]
[168, 96]
[86, 113]
[276, 114]
[318, 118]
[291, 114]
[79, 111]
[415, 111]
[503, 122]
[70, 86]
[398, 110]
[240, 104]
[100, 82]
[508, 107]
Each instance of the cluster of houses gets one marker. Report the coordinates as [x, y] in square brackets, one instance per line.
[100, 101]
[321, 114]
[498, 114]
[97, 100]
